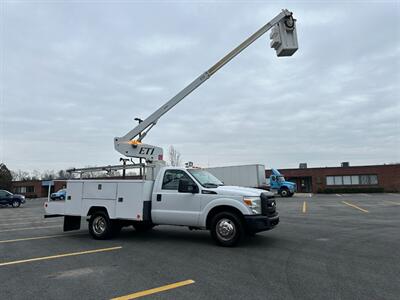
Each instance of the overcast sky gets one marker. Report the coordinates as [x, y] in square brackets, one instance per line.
[74, 74]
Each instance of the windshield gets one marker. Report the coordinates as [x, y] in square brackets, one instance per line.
[281, 179]
[205, 178]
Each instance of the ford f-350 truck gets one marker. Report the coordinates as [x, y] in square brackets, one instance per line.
[178, 196]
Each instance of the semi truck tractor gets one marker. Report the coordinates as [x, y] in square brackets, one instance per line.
[277, 183]
[169, 195]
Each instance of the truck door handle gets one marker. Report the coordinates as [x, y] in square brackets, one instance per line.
[159, 197]
[120, 199]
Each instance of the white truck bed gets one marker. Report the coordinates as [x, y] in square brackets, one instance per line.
[124, 199]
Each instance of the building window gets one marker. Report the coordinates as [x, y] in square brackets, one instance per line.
[346, 180]
[338, 180]
[352, 180]
[355, 179]
[25, 189]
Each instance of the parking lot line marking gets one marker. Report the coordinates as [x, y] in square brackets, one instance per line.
[304, 207]
[338, 195]
[29, 228]
[155, 290]
[395, 203]
[22, 218]
[355, 206]
[25, 223]
[310, 195]
[58, 256]
[39, 237]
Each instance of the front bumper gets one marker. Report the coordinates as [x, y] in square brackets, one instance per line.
[259, 223]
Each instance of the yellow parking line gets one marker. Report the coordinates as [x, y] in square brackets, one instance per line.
[155, 290]
[304, 207]
[355, 206]
[29, 228]
[39, 238]
[395, 203]
[57, 256]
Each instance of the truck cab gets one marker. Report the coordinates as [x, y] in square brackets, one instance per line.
[279, 185]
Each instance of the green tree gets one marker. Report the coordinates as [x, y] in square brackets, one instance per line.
[5, 177]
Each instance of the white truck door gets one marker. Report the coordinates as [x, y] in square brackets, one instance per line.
[174, 208]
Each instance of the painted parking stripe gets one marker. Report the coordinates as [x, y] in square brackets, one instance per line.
[29, 228]
[391, 202]
[39, 238]
[304, 210]
[26, 223]
[58, 256]
[355, 206]
[155, 290]
[22, 218]
[338, 195]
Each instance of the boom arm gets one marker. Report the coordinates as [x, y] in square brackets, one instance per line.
[129, 146]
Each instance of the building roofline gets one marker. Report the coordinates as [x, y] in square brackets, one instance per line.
[338, 167]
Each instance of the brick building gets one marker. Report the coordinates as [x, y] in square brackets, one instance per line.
[375, 178]
[36, 188]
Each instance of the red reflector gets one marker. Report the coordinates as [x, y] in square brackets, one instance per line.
[160, 157]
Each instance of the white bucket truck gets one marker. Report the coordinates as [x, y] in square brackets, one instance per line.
[175, 196]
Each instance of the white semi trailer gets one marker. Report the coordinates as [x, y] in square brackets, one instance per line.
[244, 175]
[175, 196]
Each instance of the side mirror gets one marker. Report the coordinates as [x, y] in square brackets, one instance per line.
[185, 186]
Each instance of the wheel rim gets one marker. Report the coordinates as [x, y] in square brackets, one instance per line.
[226, 229]
[99, 225]
[15, 204]
[284, 193]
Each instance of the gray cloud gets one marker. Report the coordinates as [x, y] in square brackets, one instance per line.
[75, 74]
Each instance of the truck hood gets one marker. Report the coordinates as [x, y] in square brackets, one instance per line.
[229, 190]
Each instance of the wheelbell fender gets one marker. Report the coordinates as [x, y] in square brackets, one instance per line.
[235, 203]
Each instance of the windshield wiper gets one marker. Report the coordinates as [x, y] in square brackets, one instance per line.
[210, 185]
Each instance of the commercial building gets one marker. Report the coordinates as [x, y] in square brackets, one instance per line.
[346, 178]
[37, 188]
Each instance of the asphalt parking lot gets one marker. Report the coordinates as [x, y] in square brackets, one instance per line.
[326, 247]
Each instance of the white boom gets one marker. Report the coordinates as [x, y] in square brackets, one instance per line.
[284, 42]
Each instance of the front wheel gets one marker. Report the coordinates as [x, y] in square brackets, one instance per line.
[100, 226]
[15, 203]
[284, 193]
[227, 229]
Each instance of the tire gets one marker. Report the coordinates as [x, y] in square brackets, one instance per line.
[62, 197]
[291, 194]
[143, 227]
[100, 226]
[284, 193]
[15, 204]
[227, 229]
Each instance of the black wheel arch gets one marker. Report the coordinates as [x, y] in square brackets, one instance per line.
[222, 208]
[95, 209]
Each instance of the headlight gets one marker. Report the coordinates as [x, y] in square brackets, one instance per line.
[254, 203]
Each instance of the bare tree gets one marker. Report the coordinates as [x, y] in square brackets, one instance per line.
[174, 156]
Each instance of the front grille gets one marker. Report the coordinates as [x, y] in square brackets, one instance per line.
[268, 205]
